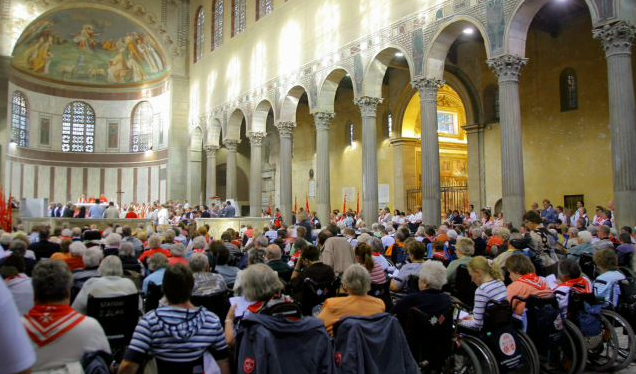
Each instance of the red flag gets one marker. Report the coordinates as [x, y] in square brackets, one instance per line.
[307, 204]
[4, 214]
[344, 205]
[358, 206]
[295, 205]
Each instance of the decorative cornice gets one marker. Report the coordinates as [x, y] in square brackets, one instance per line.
[427, 88]
[617, 38]
[256, 138]
[474, 128]
[323, 120]
[231, 144]
[368, 105]
[507, 67]
[286, 129]
[210, 150]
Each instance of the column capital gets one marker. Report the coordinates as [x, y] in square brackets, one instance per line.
[286, 129]
[427, 87]
[231, 144]
[368, 105]
[507, 67]
[323, 120]
[617, 37]
[256, 138]
[210, 149]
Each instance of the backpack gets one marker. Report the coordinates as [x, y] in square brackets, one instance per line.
[545, 324]
[96, 362]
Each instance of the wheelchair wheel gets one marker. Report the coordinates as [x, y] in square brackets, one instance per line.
[581, 346]
[625, 343]
[486, 360]
[562, 359]
[602, 353]
[530, 355]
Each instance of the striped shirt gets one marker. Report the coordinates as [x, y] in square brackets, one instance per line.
[177, 335]
[493, 290]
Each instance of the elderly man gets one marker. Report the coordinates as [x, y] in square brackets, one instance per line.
[357, 282]
[57, 347]
[92, 257]
[112, 242]
[178, 252]
[465, 248]
[157, 265]
[179, 334]
[205, 282]
[274, 261]
[110, 284]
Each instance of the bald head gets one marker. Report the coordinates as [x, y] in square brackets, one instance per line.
[273, 252]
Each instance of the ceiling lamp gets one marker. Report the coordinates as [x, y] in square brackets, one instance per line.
[468, 31]
[399, 54]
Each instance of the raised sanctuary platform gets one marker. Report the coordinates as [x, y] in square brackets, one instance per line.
[219, 225]
[102, 223]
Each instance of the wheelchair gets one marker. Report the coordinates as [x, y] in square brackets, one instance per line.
[445, 349]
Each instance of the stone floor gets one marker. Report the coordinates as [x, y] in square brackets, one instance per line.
[631, 369]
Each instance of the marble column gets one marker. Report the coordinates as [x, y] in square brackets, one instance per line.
[230, 181]
[323, 182]
[431, 186]
[476, 182]
[618, 39]
[286, 131]
[368, 109]
[256, 173]
[195, 170]
[508, 69]
[210, 172]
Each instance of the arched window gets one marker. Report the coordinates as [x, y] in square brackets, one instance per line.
[141, 128]
[217, 23]
[238, 16]
[20, 120]
[569, 90]
[199, 34]
[78, 128]
[263, 8]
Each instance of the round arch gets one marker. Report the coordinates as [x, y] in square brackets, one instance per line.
[214, 133]
[435, 56]
[290, 103]
[196, 139]
[328, 88]
[376, 69]
[517, 29]
[259, 118]
[233, 130]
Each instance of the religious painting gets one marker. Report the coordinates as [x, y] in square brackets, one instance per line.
[90, 46]
[113, 135]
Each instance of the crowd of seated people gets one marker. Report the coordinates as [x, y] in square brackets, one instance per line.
[328, 274]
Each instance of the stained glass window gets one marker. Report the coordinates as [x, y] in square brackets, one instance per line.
[238, 16]
[446, 123]
[217, 23]
[141, 129]
[263, 8]
[569, 90]
[199, 34]
[20, 120]
[78, 128]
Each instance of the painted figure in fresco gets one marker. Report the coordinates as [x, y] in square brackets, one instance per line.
[118, 69]
[86, 38]
[40, 55]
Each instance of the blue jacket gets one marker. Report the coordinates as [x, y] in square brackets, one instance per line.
[372, 345]
[275, 345]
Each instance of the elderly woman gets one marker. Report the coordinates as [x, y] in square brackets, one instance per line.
[12, 270]
[157, 265]
[584, 247]
[110, 284]
[92, 257]
[154, 247]
[127, 257]
[605, 285]
[205, 282]
[55, 347]
[19, 248]
[178, 252]
[356, 281]
[465, 248]
[430, 299]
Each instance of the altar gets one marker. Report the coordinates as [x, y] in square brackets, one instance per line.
[219, 225]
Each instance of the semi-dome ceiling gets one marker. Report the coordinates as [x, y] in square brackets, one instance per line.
[89, 46]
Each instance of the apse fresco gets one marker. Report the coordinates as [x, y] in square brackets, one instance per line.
[89, 46]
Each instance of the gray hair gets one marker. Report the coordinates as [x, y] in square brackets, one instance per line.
[154, 241]
[376, 244]
[126, 249]
[199, 242]
[273, 252]
[18, 246]
[178, 250]
[113, 240]
[157, 261]
[76, 231]
[261, 242]
[51, 281]
[585, 237]
[77, 249]
[574, 232]
[421, 231]
[465, 246]
[433, 274]
[66, 232]
[503, 232]
[603, 244]
[476, 232]
[357, 280]
[111, 266]
[92, 257]
[256, 256]
[260, 283]
[592, 230]
[365, 238]
[199, 263]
